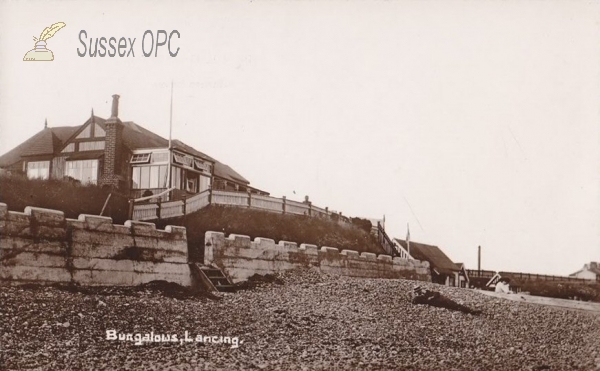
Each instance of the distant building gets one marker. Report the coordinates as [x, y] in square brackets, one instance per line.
[124, 155]
[443, 270]
[374, 223]
[589, 271]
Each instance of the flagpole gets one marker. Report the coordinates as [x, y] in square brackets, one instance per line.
[408, 238]
[170, 167]
[171, 116]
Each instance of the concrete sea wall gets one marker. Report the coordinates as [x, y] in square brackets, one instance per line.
[240, 258]
[42, 246]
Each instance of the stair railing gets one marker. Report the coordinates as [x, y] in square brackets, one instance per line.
[386, 242]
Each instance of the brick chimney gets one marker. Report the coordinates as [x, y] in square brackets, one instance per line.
[112, 148]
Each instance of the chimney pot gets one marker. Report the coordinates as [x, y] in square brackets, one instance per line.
[115, 106]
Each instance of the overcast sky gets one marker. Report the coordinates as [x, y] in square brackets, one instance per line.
[475, 122]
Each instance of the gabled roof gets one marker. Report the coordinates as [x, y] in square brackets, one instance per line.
[433, 254]
[45, 142]
[77, 129]
[51, 140]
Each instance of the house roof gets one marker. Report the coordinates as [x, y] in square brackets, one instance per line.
[51, 140]
[177, 144]
[593, 267]
[593, 270]
[226, 172]
[433, 254]
[45, 142]
[137, 137]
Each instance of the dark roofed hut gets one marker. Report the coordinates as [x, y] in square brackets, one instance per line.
[443, 270]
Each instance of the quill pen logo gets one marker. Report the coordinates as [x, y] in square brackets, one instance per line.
[40, 52]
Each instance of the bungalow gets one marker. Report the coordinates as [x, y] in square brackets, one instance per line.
[589, 271]
[443, 270]
[122, 155]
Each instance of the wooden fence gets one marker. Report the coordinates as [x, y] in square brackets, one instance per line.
[152, 208]
[526, 276]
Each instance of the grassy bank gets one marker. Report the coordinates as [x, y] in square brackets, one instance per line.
[255, 223]
[73, 199]
[70, 197]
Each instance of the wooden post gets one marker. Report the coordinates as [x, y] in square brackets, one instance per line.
[249, 199]
[209, 195]
[158, 209]
[184, 203]
[479, 260]
[105, 203]
[130, 212]
[284, 207]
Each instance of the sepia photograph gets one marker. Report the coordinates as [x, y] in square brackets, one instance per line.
[300, 185]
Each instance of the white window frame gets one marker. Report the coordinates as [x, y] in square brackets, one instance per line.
[183, 160]
[140, 158]
[97, 145]
[201, 165]
[155, 158]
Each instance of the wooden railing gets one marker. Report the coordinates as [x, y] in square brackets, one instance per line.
[173, 209]
[402, 252]
[526, 276]
[144, 209]
[230, 198]
[267, 203]
[386, 242]
[198, 201]
[144, 212]
[138, 193]
[298, 208]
